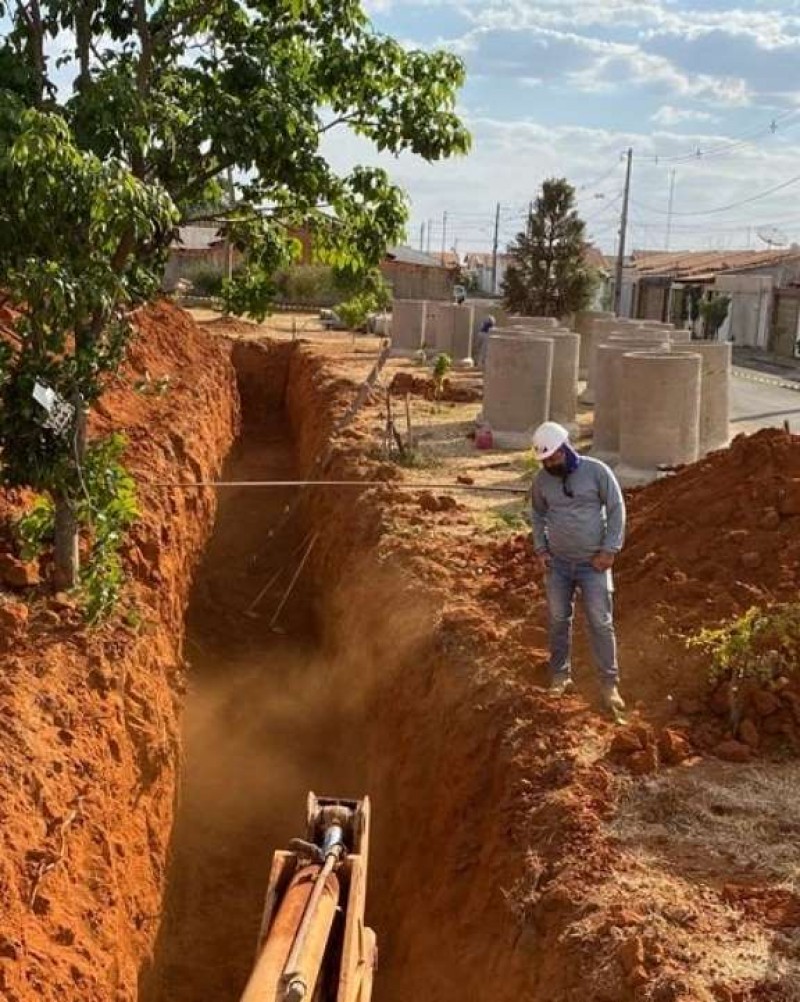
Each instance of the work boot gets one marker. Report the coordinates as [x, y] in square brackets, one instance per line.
[613, 701]
[560, 687]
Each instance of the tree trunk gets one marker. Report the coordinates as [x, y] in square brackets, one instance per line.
[66, 552]
[66, 544]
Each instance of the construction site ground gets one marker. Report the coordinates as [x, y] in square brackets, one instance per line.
[390, 639]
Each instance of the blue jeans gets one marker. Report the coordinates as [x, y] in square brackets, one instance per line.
[596, 587]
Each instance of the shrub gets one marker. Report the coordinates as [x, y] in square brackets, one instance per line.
[308, 285]
[759, 645]
[207, 281]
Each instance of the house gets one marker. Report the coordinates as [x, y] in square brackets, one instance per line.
[478, 269]
[195, 249]
[449, 260]
[412, 274]
[763, 286]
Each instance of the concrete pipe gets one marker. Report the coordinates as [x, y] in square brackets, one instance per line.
[607, 390]
[516, 387]
[435, 326]
[659, 413]
[596, 329]
[715, 388]
[489, 308]
[463, 332]
[584, 327]
[546, 323]
[655, 324]
[601, 337]
[452, 331]
[564, 384]
[409, 322]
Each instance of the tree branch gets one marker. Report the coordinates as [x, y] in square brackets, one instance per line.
[172, 30]
[83, 43]
[143, 70]
[341, 120]
[32, 17]
[200, 182]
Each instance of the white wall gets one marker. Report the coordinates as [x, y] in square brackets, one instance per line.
[750, 309]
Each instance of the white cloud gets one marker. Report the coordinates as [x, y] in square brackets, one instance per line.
[667, 115]
[589, 64]
[671, 66]
[510, 159]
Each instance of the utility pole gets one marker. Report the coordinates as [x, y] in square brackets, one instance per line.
[430, 228]
[444, 234]
[623, 228]
[422, 237]
[669, 209]
[529, 223]
[494, 248]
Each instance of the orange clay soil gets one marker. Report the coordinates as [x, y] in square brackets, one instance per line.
[407, 666]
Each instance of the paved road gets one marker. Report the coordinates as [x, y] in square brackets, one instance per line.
[763, 401]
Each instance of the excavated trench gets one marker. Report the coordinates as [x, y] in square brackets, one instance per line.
[341, 694]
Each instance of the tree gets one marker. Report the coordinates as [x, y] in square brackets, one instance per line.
[714, 312]
[548, 275]
[184, 92]
[163, 102]
[67, 264]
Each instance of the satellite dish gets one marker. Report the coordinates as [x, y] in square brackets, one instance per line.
[772, 236]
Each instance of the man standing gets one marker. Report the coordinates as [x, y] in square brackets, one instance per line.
[578, 529]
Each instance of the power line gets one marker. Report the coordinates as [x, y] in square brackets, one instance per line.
[606, 208]
[598, 181]
[724, 208]
[723, 149]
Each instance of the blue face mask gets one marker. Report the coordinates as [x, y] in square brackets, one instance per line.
[570, 461]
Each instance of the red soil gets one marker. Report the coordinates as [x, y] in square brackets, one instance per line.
[494, 874]
[88, 719]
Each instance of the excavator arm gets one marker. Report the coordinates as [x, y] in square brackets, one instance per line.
[314, 945]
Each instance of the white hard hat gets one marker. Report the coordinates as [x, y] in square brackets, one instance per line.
[548, 439]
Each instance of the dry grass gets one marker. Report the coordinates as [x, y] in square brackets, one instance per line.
[686, 833]
[724, 820]
[707, 943]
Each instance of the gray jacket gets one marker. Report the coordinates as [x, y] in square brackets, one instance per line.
[576, 528]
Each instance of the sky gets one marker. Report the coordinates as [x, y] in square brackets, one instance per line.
[701, 88]
[706, 94]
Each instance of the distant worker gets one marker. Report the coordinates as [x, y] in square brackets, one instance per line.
[578, 514]
[482, 341]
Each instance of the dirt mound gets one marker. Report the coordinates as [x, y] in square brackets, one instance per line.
[721, 535]
[452, 390]
[232, 327]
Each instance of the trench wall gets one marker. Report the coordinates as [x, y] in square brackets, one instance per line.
[89, 720]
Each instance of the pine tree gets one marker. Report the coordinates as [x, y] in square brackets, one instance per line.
[548, 275]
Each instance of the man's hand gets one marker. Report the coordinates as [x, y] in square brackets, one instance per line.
[603, 561]
[543, 561]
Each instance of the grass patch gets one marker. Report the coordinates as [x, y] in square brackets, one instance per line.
[747, 814]
[417, 459]
[508, 521]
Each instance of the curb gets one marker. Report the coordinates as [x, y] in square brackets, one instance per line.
[775, 381]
